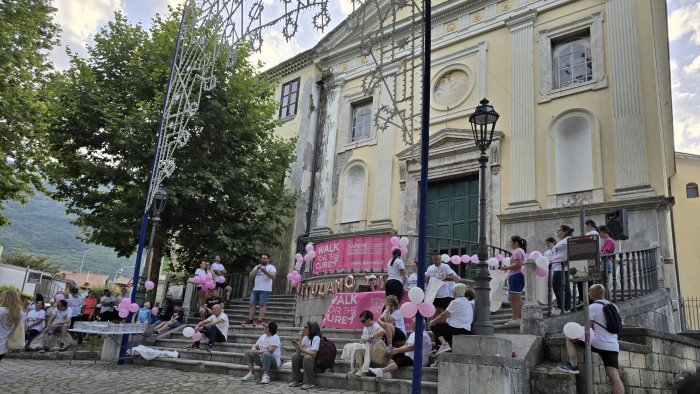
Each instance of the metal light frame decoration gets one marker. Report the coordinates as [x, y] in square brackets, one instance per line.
[483, 122]
[207, 29]
[159, 201]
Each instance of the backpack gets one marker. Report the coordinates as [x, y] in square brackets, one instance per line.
[325, 358]
[613, 321]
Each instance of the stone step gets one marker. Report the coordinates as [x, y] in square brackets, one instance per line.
[252, 338]
[243, 308]
[551, 380]
[341, 366]
[332, 380]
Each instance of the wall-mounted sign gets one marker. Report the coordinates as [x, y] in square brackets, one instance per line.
[584, 255]
[34, 277]
[354, 253]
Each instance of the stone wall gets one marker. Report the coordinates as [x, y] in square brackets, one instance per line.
[650, 361]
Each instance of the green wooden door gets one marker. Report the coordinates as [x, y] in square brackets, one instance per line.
[453, 215]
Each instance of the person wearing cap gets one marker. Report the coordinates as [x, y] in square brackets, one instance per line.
[372, 283]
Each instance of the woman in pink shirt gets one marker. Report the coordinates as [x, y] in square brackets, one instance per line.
[516, 279]
[607, 253]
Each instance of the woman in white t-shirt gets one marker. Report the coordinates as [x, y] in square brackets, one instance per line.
[10, 316]
[305, 356]
[266, 353]
[392, 323]
[34, 323]
[203, 273]
[560, 276]
[456, 319]
[413, 278]
[58, 324]
[396, 270]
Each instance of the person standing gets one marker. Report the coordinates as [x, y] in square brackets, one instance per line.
[516, 279]
[75, 304]
[107, 303]
[603, 342]
[607, 252]
[220, 277]
[413, 278]
[442, 272]
[10, 316]
[89, 304]
[396, 270]
[203, 273]
[560, 276]
[264, 274]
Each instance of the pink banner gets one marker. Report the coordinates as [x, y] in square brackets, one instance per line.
[355, 253]
[344, 310]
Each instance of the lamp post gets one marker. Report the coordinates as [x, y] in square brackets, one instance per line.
[483, 122]
[159, 201]
[83, 259]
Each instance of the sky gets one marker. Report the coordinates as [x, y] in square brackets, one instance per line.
[81, 19]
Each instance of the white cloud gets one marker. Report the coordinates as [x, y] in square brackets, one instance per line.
[693, 67]
[275, 49]
[345, 7]
[684, 95]
[674, 65]
[685, 20]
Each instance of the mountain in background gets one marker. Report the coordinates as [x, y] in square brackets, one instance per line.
[42, 227]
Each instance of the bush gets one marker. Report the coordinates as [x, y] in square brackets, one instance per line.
[24, 295]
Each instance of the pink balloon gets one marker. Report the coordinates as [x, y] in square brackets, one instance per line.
[123, 313]
[295, 283]
[541, 271]
[155, 311]
[426, 310]
[211, 285]
[298, 257]
[298, 265]
[455, 259]
[404, 250]
[149, 285]
[499, 257]
[535, 254]
[290, 276]
[59, 297]
[133, 308]
[197, 336]
[395, 241]
[197, 279]
[409, 309]
[474, 259]
[209, 275]
[309, 247]
[308, 258]
[220, 279]
[465, 258]
[591, 334]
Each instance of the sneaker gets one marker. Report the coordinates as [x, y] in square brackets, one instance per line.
[435, 364]
[443, 348]
[258, 323]
[568, 368]
[210, 348]
[555, 312]
[359, 373]
[377, 372]
[42, 350]
[61, 345]
[308, 386]
[248, 377]
[295, 384]
[246, 322]
[265, 379]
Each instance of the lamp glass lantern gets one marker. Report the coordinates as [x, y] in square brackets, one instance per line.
[483, 122]
[159, 201]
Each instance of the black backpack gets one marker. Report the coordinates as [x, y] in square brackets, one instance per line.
[613, 321]
[325, 358]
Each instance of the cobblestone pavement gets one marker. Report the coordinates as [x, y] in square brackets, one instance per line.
[56, 376]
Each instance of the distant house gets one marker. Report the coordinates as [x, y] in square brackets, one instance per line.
[33, 281]
[122, 282]
[88, 279]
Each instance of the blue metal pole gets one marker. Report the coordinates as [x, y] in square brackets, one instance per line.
[422, 244]
[154, 168]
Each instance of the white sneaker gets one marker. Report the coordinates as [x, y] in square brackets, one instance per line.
[443, 348]
[359, 373]
[249, 376]
[377, 372]
[435, 364]
[265, 379]
[555, 312]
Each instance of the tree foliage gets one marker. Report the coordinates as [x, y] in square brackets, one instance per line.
[27, 34]
[22, 259]
[227, 194]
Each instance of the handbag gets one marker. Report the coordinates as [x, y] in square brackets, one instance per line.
[16, 340]
[377, 353]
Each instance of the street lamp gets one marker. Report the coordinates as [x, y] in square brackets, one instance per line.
[159, 201]
[483, 122]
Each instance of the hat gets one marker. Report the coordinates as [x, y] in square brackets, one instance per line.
[372, 277]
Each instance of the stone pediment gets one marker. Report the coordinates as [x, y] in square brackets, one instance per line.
[444, 143]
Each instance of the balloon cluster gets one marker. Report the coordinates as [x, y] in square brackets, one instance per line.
[189, 332]
[466, 259]
[294, 277]
[400, 244]
[573, 330]
[416, 304]
[126, 306]
[207, 282]
[542, 263]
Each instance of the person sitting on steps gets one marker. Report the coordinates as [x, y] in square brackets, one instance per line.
[58, 324]
[207, 309]
[456, 319]
[305, 356]
[403, 356]
[215, 327]
[266, 353]
[392, 323]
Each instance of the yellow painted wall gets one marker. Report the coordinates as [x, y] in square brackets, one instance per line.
[686, 223]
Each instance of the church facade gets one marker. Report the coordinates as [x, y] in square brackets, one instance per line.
[583, 89]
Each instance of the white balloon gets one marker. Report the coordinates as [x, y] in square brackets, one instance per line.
[506, 261]
[416, 295]
[188, 332]
[542, 262]
[312, 254]
[403, 241]
[445, 258]
[492, 262]
[573, 330]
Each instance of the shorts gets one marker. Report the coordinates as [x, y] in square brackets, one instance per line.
[175, 324]
[609, 357]
[402, 360]
[259, 297]
[516, 283]
[442, 302]
[220, 285]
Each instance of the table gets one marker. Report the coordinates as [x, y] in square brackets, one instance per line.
[112, 331]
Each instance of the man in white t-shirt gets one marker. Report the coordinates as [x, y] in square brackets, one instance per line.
[603, 342]
[220, 274]
[264, 274]
[443, 272]
[266, 353]
[215, 327]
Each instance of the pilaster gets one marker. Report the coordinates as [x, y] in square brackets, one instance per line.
[381, 202]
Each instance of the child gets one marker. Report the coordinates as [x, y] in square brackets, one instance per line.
[413, 278]
[144, 313]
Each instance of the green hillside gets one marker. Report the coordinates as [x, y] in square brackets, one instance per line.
[42, 227]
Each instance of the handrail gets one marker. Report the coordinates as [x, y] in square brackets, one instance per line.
[690, 313]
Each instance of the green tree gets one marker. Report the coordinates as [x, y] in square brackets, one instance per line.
[227, 195]
[27, 34]
[22, 259]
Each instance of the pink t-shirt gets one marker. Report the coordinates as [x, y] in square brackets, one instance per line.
[518, 254]
[608, 246]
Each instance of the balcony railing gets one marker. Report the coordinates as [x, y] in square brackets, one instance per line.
[690, 314]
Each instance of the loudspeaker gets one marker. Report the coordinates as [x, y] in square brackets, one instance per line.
[616, 221]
